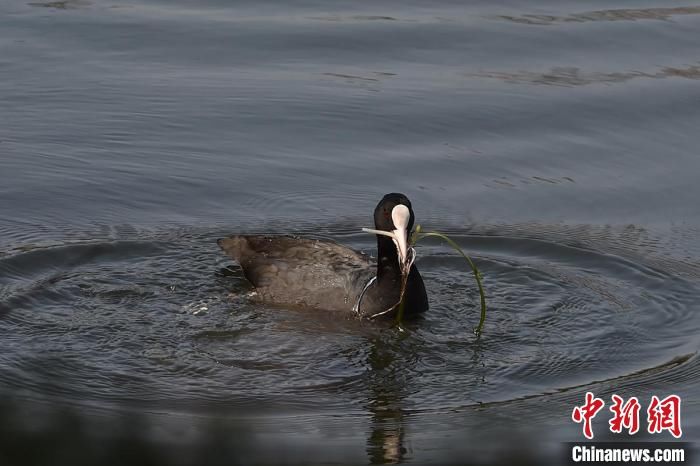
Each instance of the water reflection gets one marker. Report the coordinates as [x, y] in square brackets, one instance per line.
[397, 361]
[389, 367]
[386, 442]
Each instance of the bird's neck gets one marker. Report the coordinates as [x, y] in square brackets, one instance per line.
[388, 267]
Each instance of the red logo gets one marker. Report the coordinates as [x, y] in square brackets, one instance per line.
[661, 415]
[587, 412]
[665, 415]
[625, 415]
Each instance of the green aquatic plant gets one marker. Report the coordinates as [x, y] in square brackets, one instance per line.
[417, 235]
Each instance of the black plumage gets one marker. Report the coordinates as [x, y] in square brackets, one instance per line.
[321, 274]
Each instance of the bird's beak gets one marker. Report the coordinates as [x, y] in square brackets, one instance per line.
[401, 215]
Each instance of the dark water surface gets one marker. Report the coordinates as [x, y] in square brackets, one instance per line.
[556, 141]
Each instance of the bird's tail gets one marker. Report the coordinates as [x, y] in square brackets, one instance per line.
[234, 246]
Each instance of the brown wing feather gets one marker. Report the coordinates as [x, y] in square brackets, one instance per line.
[300, 272]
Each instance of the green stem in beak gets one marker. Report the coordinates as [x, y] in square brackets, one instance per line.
[477, 275]
[408, 257]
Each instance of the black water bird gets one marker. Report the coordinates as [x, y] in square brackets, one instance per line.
[321, 274]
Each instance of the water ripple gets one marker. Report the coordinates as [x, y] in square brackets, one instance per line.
[622, 14]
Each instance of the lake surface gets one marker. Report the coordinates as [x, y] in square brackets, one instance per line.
[556, 142]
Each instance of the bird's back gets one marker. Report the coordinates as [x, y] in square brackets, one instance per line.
[301, 272]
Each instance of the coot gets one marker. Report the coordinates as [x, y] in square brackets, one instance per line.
[321, 274]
